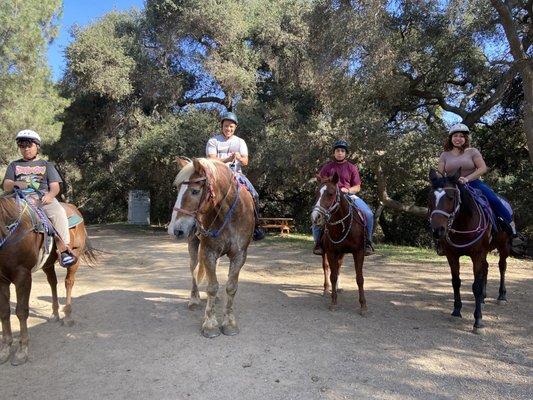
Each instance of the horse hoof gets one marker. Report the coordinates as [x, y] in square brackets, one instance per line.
[5, 352]
[363, 311]
[502, 299]
[332, 307]
[54, 318]
[67, 322]
[326, 293]
[210, 333]
[340, 290]
[230, 330]
[192, 305]
[20, 357]
[477, 330]
[457, 313]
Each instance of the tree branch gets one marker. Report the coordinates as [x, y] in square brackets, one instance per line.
[393, 204]
[201, 100]
[510, 29]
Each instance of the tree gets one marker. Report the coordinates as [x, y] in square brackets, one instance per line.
[28, 98]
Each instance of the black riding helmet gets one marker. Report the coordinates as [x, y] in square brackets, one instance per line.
[340, 144]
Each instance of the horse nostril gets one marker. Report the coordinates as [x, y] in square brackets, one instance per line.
[438, 233]
[178, 233]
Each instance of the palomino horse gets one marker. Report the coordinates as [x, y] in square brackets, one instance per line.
[463, 227]
[343, 232]
[216, 215]
[19, 255]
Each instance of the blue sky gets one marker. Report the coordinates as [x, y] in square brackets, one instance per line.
[82, 13]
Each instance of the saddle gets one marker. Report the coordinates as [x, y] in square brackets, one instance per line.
[42, 224]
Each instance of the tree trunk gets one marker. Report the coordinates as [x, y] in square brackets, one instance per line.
[527, 85]
[393, 204]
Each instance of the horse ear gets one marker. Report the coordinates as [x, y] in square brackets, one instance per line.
[182, 162]
[432, 174]
[198, 167]
[318, 178]
[335, 178]
[454, 178]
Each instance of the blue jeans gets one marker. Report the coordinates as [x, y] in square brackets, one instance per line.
[360, 204]
[242, 179]
[497, 206]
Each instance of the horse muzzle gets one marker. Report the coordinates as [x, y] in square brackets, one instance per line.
[439, 232]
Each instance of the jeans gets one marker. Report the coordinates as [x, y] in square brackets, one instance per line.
[497, 206]
[243, 180]
[360, 204]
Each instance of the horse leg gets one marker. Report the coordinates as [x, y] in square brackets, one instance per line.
[210, 327]
[23, 288]
[333, 260]
[358, 259]
[477, 288]
[485, 276]
[504, 250]
[5, 312]
[453, 261]
[197, 272]
[69, 284]
[229, 323]
[325, 268]
[51, 276]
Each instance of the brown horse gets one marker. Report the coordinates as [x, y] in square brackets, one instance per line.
[343, 232]
[19, 255]
[216, 216]
[462, 227]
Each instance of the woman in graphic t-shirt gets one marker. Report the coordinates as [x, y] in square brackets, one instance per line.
[458, 154]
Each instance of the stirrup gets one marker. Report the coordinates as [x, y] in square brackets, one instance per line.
[369, 248]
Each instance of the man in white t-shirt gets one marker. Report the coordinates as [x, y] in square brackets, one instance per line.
[232, 150]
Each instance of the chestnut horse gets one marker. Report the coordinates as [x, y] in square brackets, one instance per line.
[463, 227]
[343, 232]
[20, 248]
[216, 216]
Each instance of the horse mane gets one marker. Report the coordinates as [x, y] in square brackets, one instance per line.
[9, 212]
[212, 167]
[467, 201]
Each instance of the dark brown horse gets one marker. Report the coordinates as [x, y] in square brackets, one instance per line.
[343, 232]
[462, 227]
[19, 255]
[216, 216]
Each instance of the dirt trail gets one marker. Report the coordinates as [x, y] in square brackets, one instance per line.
[134, 337]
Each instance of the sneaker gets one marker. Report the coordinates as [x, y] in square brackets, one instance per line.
[318, 249]
[369, 248]
[67, 259]
[259, 234]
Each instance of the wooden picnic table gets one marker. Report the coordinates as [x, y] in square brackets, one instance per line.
[283, 224]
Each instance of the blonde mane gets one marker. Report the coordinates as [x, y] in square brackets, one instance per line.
[210, 166]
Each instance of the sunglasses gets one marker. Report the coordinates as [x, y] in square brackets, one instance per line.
[25, 144]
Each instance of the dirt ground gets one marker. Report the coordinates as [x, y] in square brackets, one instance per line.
[134, 337]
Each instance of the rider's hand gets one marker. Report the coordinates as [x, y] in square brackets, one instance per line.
[237, 156]
[463, 180]
[47, 199]
[344, 190]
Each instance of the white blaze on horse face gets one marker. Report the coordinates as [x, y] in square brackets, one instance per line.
[177, 205]
[438, 195]
[315, 214]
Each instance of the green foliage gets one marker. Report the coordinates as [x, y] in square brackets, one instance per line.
[146, 87]
[28, 99]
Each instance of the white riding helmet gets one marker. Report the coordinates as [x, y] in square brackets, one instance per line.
[28, 134]
[458, 128]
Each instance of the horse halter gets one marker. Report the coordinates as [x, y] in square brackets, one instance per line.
[457, 206]
[203, 200]
[482, 226]
[328, 212]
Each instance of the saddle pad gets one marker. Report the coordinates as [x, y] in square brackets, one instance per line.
[74, 220]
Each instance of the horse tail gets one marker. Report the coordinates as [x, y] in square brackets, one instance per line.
[89, 253]
[199, 272]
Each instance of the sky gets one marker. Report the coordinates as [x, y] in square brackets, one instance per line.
[82, 13]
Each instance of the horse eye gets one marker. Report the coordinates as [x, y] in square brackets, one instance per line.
[195, 191]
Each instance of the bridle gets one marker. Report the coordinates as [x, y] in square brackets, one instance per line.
[327, 213]
[482, 222]
[207, 196]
